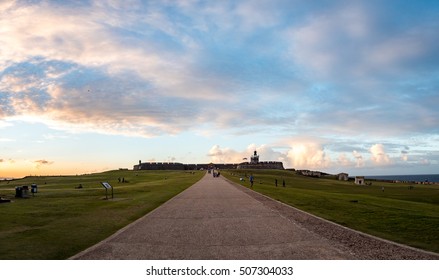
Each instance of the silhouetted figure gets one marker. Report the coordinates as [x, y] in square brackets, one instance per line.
[275, 182]
[283, 183]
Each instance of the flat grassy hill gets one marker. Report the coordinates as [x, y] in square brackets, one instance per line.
[62, 219]
[404, 213]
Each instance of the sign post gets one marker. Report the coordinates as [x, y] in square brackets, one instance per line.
[107, 187]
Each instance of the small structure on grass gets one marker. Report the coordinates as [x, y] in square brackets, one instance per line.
[359, 180]
[343, 176]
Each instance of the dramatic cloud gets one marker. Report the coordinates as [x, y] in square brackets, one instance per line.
[358, 72]
[63, 67]
[59, 63]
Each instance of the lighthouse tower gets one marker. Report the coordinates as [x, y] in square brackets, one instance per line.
[255, 158]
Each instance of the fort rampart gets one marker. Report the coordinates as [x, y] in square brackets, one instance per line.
[205, 166]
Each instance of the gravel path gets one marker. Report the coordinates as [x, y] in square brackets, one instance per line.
[217, 219]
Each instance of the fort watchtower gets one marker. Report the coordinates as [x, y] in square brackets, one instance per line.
[254, 158]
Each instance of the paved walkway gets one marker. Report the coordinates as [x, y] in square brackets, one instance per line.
[215, 219]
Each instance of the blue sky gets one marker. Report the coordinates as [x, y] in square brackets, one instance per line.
[336, 86]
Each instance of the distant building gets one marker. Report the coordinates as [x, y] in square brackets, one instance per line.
[359, 180]
[253, 164]
[256, 164]
[343, 176]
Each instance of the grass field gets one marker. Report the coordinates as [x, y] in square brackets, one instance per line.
[61, 220]
[400, 214]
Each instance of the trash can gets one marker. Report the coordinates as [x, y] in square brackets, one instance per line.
[34, 188]
[18, 192]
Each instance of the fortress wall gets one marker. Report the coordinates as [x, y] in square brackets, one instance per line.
[159, 166]
[262, 165]
[181, 166]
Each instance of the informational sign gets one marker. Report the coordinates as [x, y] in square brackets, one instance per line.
[107, 187]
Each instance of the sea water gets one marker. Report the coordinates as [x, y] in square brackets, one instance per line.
[408, 178]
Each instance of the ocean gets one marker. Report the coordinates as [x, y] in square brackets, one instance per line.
[408, 178]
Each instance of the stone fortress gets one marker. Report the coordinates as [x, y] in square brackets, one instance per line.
[256, 164]
[253, 164]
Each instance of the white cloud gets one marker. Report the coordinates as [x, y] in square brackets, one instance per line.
[359, 159]
[224, 155]
[86, 38]
[151, 88]
[299, 154]
[326, 41]
[307, 154]
[311, 153]
[256, 14]
[378, 155]
[354, 42]
[344, 161]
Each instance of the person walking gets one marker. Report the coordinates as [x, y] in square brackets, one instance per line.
[251, 181]
[275, 182]
[283, 183]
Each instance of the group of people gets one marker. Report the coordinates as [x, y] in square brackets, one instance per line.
[121, 180]
[252, 179]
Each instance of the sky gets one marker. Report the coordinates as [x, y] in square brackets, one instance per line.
[335, 86]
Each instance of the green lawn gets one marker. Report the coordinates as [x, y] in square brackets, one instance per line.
[61, 220]
[406, 216]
